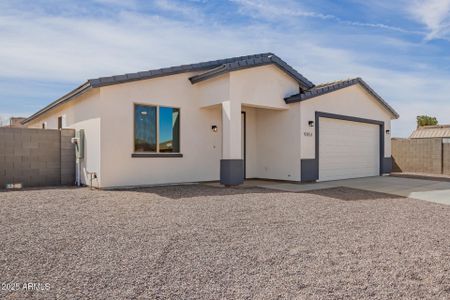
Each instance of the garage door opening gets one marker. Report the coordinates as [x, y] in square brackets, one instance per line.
[348, 149]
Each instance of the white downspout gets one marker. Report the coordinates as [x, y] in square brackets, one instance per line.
[78, 173]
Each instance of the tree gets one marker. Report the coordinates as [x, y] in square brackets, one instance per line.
[426, 121]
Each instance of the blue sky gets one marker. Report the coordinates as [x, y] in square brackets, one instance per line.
[401, 48]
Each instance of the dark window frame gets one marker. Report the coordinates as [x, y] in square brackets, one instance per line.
[155, 124]
[60, 122]
[159, 129]
[156, 153]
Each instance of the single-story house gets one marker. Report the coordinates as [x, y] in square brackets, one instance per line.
[15, 122]
[243, 117]
[431, 131]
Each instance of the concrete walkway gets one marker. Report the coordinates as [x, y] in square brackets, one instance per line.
[428, 190]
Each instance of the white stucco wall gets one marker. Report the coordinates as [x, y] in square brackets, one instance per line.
[275, 130]
[200, 146]
[264, 86]
[273, 142]
[278, 143]
[211, 92]
[251, 163]
[350, 101]
[200, 108]
[84, 112]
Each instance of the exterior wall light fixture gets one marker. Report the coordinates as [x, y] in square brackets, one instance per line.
[388, 131]
[214, 128]
[311, 123]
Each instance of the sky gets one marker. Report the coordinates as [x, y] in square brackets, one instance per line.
[399, 47]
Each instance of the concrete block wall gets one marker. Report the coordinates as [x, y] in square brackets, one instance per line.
[446, 159]
[36, 157]
[417, 155]
[67, 157]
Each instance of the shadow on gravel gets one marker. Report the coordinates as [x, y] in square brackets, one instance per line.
[350, 194]
[39, 188]
[199, 190]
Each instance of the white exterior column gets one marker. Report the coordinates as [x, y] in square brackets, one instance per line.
[231, 130]
[232, 163]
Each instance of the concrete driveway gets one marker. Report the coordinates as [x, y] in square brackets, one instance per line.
[428, 190]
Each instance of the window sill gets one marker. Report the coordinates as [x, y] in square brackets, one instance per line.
[156, 155]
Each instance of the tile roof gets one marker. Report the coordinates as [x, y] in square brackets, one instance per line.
[213, 68]
[266, 59]
[247, 61]
[428, 132]
[329, 87]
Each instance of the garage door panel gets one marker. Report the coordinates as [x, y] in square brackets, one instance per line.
[348, 149]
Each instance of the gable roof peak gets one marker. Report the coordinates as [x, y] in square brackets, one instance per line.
[250, 62]
[329, 87]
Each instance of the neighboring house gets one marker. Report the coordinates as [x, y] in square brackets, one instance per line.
[432, 131]
[243, 117]
[15, 122]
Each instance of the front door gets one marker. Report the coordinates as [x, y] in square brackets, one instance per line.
[243, 141]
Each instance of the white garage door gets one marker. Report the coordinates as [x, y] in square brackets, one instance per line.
[348, 149]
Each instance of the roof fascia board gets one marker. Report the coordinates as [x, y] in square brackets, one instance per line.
[67, 97]
[255, 62]
[209, 74]
[304, 82]
[203, 66]
[233, 63]
[329, 89]
[302, 96]
[145, 75]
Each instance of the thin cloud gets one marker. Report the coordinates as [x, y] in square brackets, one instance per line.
[185, 10]
[269, 10]
[434, 14]
[68, 49]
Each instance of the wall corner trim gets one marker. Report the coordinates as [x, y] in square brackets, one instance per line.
[231, 172]
[309, 170]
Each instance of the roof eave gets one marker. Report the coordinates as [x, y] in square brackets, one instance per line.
[236, 66]
[67, 97]
[222, 69]
[233, 62]
[309, 95]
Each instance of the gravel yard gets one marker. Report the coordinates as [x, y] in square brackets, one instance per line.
[198, 241]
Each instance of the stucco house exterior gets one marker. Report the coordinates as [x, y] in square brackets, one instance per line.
[230, 119]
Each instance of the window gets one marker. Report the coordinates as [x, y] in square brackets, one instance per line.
[60, 125]
[169, 129]
[144, 128]
[156, 129]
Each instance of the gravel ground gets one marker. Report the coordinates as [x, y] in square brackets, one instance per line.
[185, 242]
